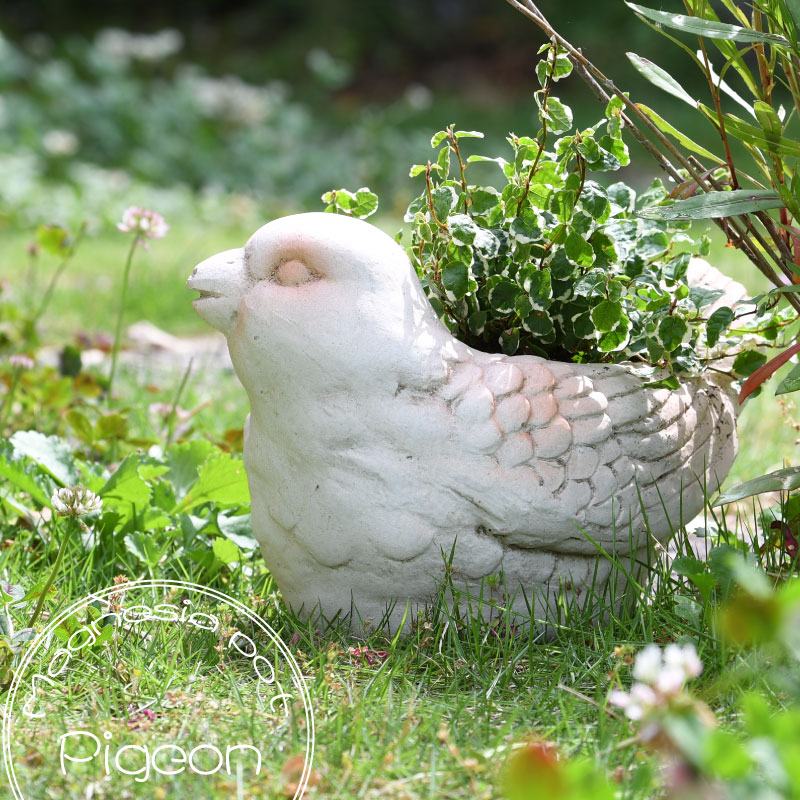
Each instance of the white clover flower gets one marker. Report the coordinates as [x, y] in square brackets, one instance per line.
[648, 664]
[637, 703]
[74, 501]
[685, 658]
[143, 222]
[660, 678]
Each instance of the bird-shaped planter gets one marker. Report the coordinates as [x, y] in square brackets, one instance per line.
[383, 453]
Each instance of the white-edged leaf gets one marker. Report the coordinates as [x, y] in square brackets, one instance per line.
[711, 29]
[660, 78]
[732, 93]
[716, 204]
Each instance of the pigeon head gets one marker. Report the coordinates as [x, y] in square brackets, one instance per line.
[320, 288]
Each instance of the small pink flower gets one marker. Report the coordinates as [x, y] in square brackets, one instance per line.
[21, 361]
[143, 222]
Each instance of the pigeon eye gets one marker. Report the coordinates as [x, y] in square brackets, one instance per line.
[292, 273]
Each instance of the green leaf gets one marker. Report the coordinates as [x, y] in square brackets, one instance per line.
[462, 229]
[594, 201]
[578, 250]
[563, 204]
[79, 423]
[716, 204]
[782, 480]
[671, 332]
[184, 462]
[562, 68]
[711, 29]
[416, 169]
[148, 548]
[538, 284]
[616, 338]
[702, 296]
[484, 200]
[125, 488]
[226, 551]
[438, 138]
[755, 136]
[509, 341]
[238, 529]
[222, 481]
[53, 239]
[455, 279]
[525, 227]
[747, 362]
[682, 138]
[606, 315]
[558, 115]
[444, 201]
[660, 78]
[477, 322]
[468, 135]
[49, 452]
[366, 203]
[503, 295]
[791, 383]
[622, 195]
[25, 475]
[768, 118]
[717, 323]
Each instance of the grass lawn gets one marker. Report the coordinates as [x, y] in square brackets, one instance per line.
[433, 715]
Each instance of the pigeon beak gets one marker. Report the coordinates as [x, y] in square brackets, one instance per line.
[221, 281]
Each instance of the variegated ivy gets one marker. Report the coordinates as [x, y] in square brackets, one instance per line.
[554, 264]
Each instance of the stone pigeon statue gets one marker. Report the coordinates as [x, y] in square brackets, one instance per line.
[383, 453]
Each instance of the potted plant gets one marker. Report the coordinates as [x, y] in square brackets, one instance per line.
[532, 392]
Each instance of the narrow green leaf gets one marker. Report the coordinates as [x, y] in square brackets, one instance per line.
[782, 480]
[768, 118]
[711, 29]
[755, 136]
[665, 127]
[660, 78]
[468, 135]
[716, 204]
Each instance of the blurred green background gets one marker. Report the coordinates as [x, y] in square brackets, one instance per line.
[223, 115]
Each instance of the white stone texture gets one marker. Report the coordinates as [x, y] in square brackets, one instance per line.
[377, 443]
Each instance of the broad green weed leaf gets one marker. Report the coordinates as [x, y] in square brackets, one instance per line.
[222, 481]
[49, 452]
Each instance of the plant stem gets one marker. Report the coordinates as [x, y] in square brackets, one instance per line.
[9, 399]
[736, 229]
[123, 300]
[48, 295]
[71, 523]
